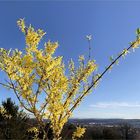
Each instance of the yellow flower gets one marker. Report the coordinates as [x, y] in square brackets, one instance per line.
[81, 58]
[21, 25]
[50, 47]
[33, 129]
[78, 133]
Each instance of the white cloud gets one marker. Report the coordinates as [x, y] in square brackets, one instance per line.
[115, 105]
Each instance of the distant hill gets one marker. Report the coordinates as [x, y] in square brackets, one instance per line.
[133, 122]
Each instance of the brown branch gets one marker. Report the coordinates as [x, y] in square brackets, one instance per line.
[15, 91]
[71, 92]
[43, 107]
[40, 122]
[29, 103]
[96, 81]
[5, 85]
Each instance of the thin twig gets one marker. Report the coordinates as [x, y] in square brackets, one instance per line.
[89, 50]
[96, 81]
[5, 85]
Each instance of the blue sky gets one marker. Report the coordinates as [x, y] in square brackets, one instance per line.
[112, 25]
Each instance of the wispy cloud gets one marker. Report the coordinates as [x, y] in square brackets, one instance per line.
[115, 105]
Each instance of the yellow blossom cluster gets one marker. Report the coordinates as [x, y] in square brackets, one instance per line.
[21, 25]
[4, 113]
[78, 133]
[51, 47]
[35, 131]
[32, 37]
[136, 43]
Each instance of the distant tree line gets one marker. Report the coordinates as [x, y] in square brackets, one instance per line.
[16, 124]
[121, 132]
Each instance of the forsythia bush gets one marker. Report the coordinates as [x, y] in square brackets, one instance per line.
[41, 85]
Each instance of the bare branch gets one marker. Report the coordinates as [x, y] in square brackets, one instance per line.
[96, 81]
